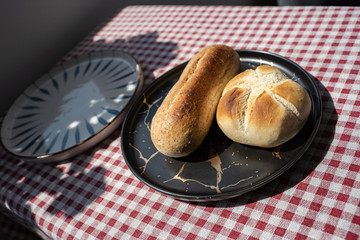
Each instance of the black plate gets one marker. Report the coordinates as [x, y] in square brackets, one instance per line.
[220, 168]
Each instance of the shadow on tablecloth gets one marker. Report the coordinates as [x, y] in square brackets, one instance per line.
[11, 230]
[150, 52]
[66, 188]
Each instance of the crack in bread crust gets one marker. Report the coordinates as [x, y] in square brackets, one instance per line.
[276, 107]
[290, 108]
[245, 112]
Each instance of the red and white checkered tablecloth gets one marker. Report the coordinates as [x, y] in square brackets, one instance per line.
[95, 195]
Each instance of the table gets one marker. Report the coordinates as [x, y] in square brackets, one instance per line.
[95, 195]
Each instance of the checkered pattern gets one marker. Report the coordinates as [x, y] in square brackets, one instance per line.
[95, 196]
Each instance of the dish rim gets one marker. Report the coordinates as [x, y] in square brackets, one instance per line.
[97, 137]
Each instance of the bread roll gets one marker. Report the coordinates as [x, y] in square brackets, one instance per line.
[262, 107]
[185, 116]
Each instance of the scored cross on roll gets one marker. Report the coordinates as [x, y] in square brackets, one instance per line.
[262, 107]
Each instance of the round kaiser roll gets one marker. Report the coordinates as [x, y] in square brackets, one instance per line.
[262, 107]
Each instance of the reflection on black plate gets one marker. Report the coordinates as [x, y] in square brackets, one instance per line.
[220, 168]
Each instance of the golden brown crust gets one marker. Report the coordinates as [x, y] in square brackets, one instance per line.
[294, 94]
[274, 111]
[186, 114]
[266, 112]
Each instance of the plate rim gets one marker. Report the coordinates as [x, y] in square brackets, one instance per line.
[317, 103]
[97, 137]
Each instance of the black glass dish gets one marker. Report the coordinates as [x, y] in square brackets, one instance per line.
[220, 168]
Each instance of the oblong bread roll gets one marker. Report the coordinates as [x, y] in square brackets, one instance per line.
[185, 116]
